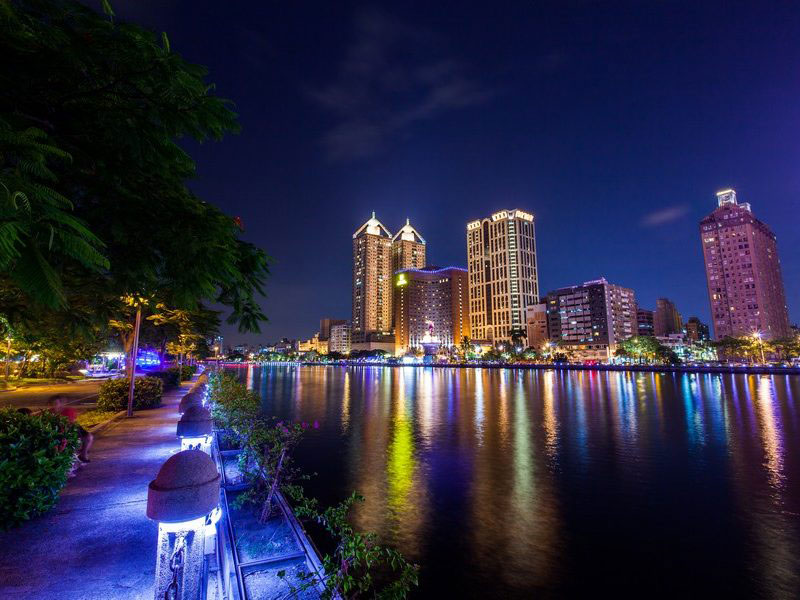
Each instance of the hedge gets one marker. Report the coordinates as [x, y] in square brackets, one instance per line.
[36, 454]
[114, 393]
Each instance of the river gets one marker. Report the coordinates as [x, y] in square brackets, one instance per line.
[560, 484]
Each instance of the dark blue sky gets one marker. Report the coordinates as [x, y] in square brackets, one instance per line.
[614, 123]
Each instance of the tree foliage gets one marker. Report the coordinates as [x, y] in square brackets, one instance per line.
[91, 114]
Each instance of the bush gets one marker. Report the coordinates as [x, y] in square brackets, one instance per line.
[169, 377]
[114, 393]
[36, 454]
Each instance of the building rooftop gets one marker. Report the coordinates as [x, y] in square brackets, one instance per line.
[409, 234]
[373, 227]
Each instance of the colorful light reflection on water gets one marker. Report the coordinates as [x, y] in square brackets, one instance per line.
[560, 484]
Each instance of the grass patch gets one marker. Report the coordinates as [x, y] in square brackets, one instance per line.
[93, 417]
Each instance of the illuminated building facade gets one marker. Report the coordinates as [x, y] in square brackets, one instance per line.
[339, 340]
[592, 318]
[431, 306]
[502, 271]
[372, 281]
[743, 272]
[644, 322]
[408, 249]
[666, 319]
[325, 327]
[536, 325]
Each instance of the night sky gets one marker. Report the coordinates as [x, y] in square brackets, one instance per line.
[613, 123]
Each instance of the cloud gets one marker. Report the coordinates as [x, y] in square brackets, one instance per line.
[666, 215]
[392, 77]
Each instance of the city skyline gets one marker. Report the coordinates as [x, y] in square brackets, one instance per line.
[613, 125]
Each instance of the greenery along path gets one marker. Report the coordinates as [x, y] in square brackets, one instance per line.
[97, 543]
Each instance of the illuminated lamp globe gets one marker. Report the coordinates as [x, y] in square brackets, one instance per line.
[186, 488]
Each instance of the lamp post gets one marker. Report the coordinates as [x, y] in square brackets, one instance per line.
[138, 302]
[184, 499]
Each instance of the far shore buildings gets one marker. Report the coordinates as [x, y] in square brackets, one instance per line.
[430, 307]
[696, 330]
[339, 340]
[644, 322]
[537, 331]
[503, 274]
[743, 272]
[591, 318]
[666, 318]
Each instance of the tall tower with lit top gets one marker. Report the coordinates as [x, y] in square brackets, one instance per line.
[372, 280]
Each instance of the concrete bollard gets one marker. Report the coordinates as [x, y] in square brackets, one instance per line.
[184, 499]
[195, 429]
[188, 400]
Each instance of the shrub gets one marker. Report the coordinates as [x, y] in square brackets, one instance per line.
[114, 393]
[168, 377]
[36, 453]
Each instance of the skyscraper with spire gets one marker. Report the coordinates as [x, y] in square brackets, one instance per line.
[408, 249]
[372, 280]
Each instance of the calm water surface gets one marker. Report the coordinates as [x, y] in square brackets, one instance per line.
[544, 484]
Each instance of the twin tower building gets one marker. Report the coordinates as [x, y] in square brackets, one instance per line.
[400, 303]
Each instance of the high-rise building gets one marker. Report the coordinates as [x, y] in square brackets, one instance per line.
[696, 330]
[666, 319]
[743, 272]
[408, 249]
[430, 306]
[592, 318]
[339, 340]
[372, 281]
[503, 275]
[536, 322]
[644, 322]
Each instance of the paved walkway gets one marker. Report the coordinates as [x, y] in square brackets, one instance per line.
[97, 543]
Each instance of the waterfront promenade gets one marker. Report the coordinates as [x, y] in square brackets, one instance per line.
[97, 543]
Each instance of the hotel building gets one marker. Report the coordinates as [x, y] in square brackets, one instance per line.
[743, 272]
[503, 276]
[372, 281]
[430, 306]
[592, 318]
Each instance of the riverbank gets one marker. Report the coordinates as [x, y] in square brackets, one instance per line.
[731, 369]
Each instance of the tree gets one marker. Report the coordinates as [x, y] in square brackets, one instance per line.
[112, 99]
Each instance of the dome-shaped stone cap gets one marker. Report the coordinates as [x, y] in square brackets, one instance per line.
[196, 421]
[188, 400]
[186, 488]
